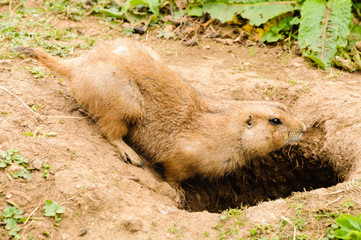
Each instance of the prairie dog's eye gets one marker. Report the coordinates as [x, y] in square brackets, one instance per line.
[275, 121]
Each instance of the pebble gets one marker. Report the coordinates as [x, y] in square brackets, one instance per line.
[38, 163]
[83, 231]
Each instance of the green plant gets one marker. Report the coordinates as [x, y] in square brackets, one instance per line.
[174, 230]
[278, 31]
[349, 203]
[324, 27]
[46, 170]
[227, 215]
[37, 73]
[16, 162]
[53, 209]
[38, 134]
[350, 227]
[11, 216]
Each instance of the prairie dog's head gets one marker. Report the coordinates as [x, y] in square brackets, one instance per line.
[268, 126]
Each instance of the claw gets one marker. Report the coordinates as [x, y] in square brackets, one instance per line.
[127, 154]
[180, 193]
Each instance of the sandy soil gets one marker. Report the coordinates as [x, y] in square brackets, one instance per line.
[108, 199]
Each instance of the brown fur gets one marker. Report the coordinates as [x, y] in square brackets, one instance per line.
[132, 94]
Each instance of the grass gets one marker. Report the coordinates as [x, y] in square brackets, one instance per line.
[236, 216]
[31, 27]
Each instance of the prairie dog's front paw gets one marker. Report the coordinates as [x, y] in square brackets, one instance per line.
[127, 154]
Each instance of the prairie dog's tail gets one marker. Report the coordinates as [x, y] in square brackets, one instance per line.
[52, 63]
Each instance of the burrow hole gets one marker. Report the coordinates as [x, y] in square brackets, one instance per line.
[299, 167]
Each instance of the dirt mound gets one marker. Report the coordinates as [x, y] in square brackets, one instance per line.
[108, 199]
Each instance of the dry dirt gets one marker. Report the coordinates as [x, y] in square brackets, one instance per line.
[108, 199]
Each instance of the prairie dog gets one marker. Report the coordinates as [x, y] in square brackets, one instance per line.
[131, 93]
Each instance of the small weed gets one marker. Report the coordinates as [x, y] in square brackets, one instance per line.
[53, 209]
[11, 216]
[325, 214]
[349, 203]
[15, 163]
[206, 234]
[46, 170]
[260, 229]
[177, 232]
[292, 82]
[37, 73]
[230, 213]
[38, 134]
[334, 75]
[251, 51]
[299, 208]
[266, 92]
[227, 215]
[4, 113]
[253, 231]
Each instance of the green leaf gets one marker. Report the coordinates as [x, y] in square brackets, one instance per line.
[23, 173]
[295, 21]
[324, 27]
[11, 224]
[348, 222]
[194, 11]
[349, 235]
[350, 227]
[11, 216]
[274, 34]
[271, 36]
[52, 209]
[260, 11]
[12, 212]
[223, 11]
[2, 163]
[354, 36]
[354, 235]
[134, 3]
[257, 11]
[110, 12]
[154, 6]
[9, 157]
[340, 233]
[180, 13]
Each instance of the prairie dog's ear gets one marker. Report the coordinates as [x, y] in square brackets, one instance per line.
[249, 121]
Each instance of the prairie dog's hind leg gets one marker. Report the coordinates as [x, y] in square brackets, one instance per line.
[126, 153]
